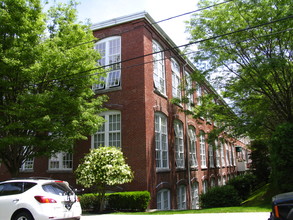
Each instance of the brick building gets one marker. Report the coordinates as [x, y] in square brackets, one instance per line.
[166, 149]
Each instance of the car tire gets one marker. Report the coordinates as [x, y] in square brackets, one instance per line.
[23, 216]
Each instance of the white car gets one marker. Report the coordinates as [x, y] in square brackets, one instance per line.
[38, 199]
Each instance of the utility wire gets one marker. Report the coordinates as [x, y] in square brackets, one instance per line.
[194, 42]
[166, 19]
[135, 65]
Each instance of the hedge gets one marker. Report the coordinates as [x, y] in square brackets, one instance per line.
[122, 201]
[220, 196]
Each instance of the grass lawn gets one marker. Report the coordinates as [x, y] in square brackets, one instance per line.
[259, 201]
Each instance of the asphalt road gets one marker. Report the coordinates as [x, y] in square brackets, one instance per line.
[214, 216]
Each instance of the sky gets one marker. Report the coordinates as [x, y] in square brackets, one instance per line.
[100, 10]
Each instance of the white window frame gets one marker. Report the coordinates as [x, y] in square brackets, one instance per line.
[198, 94]
[61, 161]
[218, 154]
[176, 79]
[192, 146]
[223, 163]
[110, 51]
[109, 134]
[28, 165]
[181, 197]
[161, 139]
[163, 199]
[195, 195]
[211, 156]
[202, 143]
[179, 144]
[189, 91]
[205, 186]
[159, 68]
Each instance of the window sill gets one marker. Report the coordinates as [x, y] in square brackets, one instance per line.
[112, 89]
[59, 171]
[163, 170]
[160, 94]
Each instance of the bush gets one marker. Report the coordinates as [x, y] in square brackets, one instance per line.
[244, 185]
[89, 202]
[220, 196]
[129, 201]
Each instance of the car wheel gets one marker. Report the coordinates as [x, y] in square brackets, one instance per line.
[23, 216]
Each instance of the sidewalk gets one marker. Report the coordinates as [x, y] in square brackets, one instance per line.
[213, 216]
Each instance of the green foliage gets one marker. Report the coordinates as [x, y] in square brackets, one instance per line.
[102, 167]
[243, 184]
[260, 165]
[89, 202]
[130, 201]
[220, 196]
[45, 85]
[254, 67]
[281, 150]
[121, 201]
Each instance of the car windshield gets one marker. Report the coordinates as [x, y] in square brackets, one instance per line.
[57, 188]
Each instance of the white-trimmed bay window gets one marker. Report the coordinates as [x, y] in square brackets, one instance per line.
[163, 199]
[109, 134]
[192, 145]
[181, 197]
[110, 51]
[202, 143]
[176, 79]
[179, 145]
[162, 159]
[61, 161]
[159, 68]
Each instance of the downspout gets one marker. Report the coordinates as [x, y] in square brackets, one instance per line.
[187, 143]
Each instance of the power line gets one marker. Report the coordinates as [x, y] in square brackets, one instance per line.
[187, 13]
[166, 19]
[195, 42]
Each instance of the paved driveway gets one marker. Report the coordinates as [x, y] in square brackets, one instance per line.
[217, 216]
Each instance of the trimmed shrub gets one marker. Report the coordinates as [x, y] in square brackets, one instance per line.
[244, 185]
[129, 201]
[90, 202]
[220, 196]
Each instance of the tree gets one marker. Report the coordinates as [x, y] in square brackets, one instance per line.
[46, 101]
[102, 167]
[248, 46]
[251, 50]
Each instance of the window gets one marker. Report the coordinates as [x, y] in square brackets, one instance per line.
[61, 161]
[203, 150]
[109, 133]
[213, 182]
[110, 51]
[211, 156]
[195, 195]
[227, 154]
[189, 91]
[176, 79]
[218, 154]
[162, 160]
[179, 147]
[28, 165]
[198, 94]
[163, 199]
[192, 145]
[181, 197]
[222, 155]
[159, 68]
[205, 186]
[15, 188]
